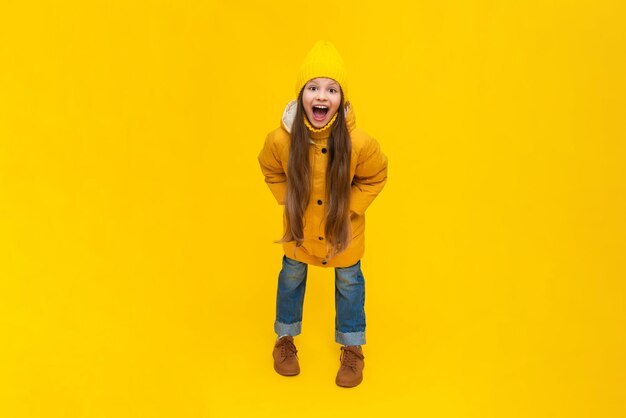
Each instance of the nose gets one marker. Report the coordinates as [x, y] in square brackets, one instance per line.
[321, 94]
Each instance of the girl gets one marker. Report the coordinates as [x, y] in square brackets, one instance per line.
[326, 172]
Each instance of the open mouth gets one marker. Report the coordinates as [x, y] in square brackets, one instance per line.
[319, 113]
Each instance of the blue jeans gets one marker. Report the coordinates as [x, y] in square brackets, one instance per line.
[349, 301]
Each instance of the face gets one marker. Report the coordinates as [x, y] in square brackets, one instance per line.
[321, 98]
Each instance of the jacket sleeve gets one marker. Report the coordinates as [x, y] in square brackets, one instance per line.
[272, 169]
[370, 177]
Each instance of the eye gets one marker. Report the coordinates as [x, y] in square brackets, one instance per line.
[312, 88]
[333, 90]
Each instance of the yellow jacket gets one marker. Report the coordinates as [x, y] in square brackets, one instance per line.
[368, 171]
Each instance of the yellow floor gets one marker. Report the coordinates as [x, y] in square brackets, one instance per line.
[137, 269]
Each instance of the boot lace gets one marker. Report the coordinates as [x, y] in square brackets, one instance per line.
[287, 348]
[349, 358]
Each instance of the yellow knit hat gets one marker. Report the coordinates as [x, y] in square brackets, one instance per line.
[323, 61]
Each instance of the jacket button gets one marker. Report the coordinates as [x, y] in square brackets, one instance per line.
[324, 150]
[319, 202]
[324, 261]
[320, 238]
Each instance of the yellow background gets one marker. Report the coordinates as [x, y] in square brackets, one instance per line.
[137, 270]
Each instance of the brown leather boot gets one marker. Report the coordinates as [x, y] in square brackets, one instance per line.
[350, 372]
[285, 357]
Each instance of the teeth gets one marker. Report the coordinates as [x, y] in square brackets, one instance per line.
[321, 107]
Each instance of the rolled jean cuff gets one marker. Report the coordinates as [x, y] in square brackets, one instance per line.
[350, 338]
[288, 329]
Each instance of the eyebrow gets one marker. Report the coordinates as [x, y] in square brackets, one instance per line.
[313, 83]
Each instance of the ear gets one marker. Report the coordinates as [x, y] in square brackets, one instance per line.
[346, 108]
